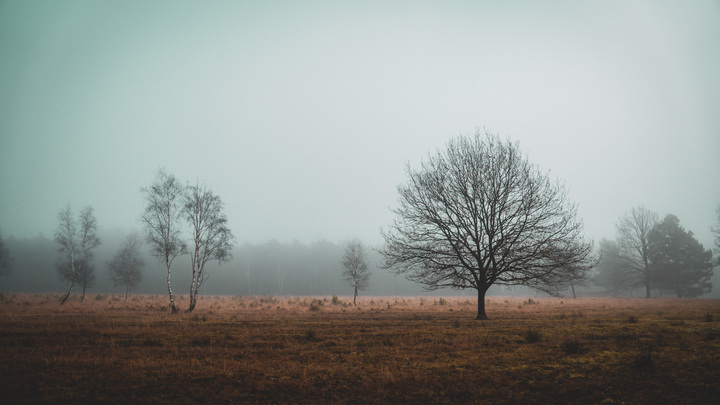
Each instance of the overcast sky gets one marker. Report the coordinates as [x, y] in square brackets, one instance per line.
[301, 116]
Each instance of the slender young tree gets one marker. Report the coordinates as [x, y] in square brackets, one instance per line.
[76, 241]
[356, 270]
[126, 267]
[163, 210]
[5, 259]
[211, 236]
[634, 242]
[716, 231]
[479, 214]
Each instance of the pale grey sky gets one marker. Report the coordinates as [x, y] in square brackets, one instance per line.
[302, 115]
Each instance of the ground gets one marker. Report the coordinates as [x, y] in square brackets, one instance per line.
[320, 350]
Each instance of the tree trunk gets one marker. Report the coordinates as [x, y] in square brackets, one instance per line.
[192, 305]
[65, 298]
[647, 289]
[83, 295]
[127, 286]
[572, 286]
[481, 316]
[173, 308]
[355, 296]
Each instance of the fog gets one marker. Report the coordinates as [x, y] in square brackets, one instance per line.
[302, 117]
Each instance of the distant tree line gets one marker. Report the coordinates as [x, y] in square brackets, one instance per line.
[267, 268]
[654, 254]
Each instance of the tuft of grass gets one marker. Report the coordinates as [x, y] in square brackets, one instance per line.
[571, 345]
[532, 335]
[336, 300]
[643, 358]
[442, 301]
[310, 335]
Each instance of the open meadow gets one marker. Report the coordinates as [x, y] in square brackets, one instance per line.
[389, 349]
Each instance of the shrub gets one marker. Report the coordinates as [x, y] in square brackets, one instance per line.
[632, 319]
[335, 300]
[442, 301]
[708, 317]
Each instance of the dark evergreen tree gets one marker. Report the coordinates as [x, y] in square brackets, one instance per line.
[679, 262]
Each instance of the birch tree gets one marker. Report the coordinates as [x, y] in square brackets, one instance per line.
[478, 214]
[76, 241]
[211, 236]
[356, 269]
[716, 230]
[162, 219]
[126, 267]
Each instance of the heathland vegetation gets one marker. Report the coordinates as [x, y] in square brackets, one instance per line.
[234, 349]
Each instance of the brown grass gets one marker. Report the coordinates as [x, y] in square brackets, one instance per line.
[400, 350]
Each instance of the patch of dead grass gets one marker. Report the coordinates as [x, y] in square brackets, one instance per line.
[389, 349]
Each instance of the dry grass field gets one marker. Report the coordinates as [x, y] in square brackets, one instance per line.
[389, 350]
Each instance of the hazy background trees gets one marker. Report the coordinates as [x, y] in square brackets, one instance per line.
[126, 267]
[356, 269]
[611, 272]
[478, 214]
[76, 240]
[658, 256]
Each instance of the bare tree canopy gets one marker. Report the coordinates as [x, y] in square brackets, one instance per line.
[76, 241]
[479, 214]
[356, 269]
[634, 242]
[126, 267]
[211, 235]
[163, 209]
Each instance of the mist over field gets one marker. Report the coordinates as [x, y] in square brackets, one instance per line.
[302, 118]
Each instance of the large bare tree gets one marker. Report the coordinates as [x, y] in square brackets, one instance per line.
[126, 267]
[633, 236]
[211, 235]
[163, 211]
[356, 269]
[479, 214]
[76, 241]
